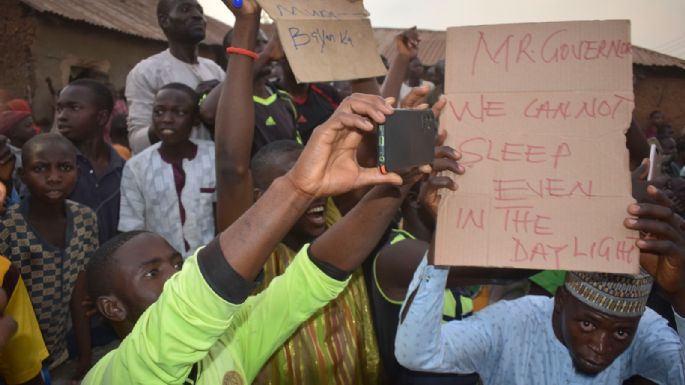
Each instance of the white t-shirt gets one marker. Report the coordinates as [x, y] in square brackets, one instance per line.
[147, 77]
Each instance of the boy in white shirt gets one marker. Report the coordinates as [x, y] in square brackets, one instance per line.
[169, 187]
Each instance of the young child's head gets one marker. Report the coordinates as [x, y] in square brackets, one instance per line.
[174, 113]
[275, 160]
[127, 274]
[49, 167]
[83, 110]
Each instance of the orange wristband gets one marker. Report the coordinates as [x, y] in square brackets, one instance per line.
[242, 51]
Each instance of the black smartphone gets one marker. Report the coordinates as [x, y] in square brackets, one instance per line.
[406, 139]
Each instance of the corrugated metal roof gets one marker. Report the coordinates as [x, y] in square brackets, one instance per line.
[647, 57]
[133, 17]
[432, 49]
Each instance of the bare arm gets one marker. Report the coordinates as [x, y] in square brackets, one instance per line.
[407, 48]
[350, 240]
[234, 129]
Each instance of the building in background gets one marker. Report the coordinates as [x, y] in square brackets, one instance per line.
[48, 43]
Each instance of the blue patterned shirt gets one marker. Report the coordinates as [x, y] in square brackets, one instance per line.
[513, 342]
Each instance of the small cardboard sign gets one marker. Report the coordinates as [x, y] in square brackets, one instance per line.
[326, 40]
[539, 112]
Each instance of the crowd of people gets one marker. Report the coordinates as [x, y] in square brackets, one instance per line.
[231, 226]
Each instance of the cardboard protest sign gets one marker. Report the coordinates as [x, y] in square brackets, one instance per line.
[539, 113]
[326, 40]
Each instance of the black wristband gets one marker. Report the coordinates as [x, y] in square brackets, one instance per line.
[327, 268]
[221, 277]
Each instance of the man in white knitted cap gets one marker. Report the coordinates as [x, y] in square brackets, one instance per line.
[596, 330]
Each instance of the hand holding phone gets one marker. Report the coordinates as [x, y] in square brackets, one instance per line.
[406, 139]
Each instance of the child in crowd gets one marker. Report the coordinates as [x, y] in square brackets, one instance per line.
[169, 187]
[22, 353]
[83, 110]
[50, 239]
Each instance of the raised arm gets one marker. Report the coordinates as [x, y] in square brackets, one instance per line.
[663, 250]
[210, 106]
[234, 129]
[407, 48]
[662, 256]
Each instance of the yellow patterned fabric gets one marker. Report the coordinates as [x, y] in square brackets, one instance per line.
[22, 355]
[337, 345]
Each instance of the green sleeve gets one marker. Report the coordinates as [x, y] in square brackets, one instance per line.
[268, 319]
[549, 280]
[172, 335]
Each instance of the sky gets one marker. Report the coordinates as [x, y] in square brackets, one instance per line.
[656, 24]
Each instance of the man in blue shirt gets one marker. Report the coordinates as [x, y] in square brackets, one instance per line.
[596, 330]
[83, 110]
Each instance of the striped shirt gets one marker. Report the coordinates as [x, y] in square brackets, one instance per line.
[337, 345]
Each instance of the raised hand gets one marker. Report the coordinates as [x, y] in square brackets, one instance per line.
[407, 43]
[328, 165]
[248, 8]
[663, 247]
[445, 160]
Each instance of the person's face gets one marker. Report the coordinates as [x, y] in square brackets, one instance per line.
[658, 119]
[173, 116]
[668, 146]
[185, 22]
[667, 130]
[21, 132]
[49, 171]
[415, 69]
[436, 73]
[78, 117]
[594, 339]
[143, 265]
[313, 222]
[262, 41]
